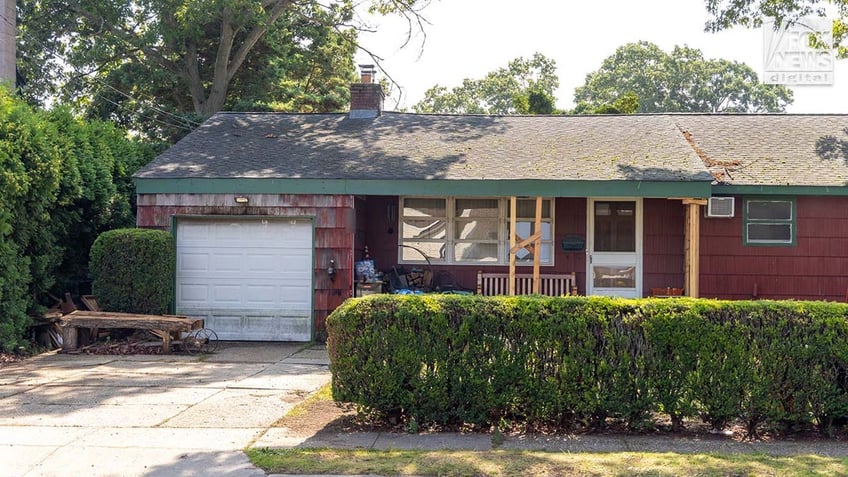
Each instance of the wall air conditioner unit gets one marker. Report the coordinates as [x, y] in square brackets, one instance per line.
[722, 207]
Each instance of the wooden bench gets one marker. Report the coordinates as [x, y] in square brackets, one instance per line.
[160, 325]
[552, 285]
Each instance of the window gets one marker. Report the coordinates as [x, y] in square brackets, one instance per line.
[470, 230]
[769, 221]
[424, 227]
[525, 225]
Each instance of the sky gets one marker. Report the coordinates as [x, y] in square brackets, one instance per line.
[468, 38]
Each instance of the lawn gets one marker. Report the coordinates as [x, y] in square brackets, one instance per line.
[509, 463]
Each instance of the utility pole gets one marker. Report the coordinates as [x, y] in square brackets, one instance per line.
[7, 42]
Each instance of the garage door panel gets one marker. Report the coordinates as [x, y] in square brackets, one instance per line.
[224, 324]
[249, 279]
[263, 263]
[194, 231]
[260, 295]
[226, 262]
[193, 262]
[223, 294]
[188, 293]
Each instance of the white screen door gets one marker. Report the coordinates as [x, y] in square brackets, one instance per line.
[614, 250]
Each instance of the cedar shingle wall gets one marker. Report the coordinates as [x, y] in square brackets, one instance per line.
[662, 244]
[815, 269]
[334, 223]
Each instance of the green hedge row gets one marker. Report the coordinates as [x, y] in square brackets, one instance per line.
[562, 361]
[63, 181]
[133, 270]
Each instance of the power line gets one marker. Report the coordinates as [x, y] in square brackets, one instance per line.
[186, 123]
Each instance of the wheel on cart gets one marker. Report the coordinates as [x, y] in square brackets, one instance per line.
[202, 340]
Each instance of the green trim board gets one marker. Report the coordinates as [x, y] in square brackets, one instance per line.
[787, 190]
[428, 187]
[792, 221]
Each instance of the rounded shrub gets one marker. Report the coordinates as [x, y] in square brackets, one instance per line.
[133, 270]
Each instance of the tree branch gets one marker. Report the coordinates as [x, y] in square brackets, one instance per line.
[254, 35]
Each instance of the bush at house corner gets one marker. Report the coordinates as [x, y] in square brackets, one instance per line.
[133, 270]
[562, 361]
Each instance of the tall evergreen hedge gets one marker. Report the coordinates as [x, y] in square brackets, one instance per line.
[63, 181]
[133, 270]
[560, 361]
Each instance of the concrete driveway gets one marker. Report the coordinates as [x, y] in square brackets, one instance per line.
[150, 415]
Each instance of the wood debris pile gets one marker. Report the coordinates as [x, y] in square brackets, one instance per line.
[131, 345]
[8, 358]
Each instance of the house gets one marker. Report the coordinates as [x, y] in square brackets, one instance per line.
[270, 211]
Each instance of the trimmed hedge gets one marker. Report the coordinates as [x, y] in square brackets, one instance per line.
[63, 181]
[133, 270]
[445, 359]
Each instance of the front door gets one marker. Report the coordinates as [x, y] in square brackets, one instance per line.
[615, 247]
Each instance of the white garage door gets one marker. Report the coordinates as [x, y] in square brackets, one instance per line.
[250, 279]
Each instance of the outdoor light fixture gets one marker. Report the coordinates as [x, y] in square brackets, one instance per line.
[242, 199]
[331, 270]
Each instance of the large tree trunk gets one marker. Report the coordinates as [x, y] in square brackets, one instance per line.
[227, 60]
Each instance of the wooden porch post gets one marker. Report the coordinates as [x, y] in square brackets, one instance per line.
[513, 202]
[537, 246]
[692, 246]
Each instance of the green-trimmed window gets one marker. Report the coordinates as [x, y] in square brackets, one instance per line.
[769, 221]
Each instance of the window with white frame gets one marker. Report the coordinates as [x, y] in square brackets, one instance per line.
[769, 221]
[469, 230]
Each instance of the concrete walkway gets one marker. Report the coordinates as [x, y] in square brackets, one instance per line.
[277, 438]
[150, 415]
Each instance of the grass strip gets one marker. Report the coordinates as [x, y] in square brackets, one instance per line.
[539, 463]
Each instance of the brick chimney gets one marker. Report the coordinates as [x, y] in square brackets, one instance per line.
[366, 97]
[7, 42]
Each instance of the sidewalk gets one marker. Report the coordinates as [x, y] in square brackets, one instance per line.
[278, 438]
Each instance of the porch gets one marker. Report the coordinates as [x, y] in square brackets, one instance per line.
[628, 246]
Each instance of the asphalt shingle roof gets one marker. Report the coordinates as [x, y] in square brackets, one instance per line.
[734, 149]
[776, 149]
[398, 146]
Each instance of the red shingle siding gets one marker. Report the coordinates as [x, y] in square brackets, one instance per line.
[334, 220]
[662, 246]
[816, 268]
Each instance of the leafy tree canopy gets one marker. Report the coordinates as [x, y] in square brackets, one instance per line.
[627, 103]
[682, 81]
[750, 13]
[524, 86]
[191, 58]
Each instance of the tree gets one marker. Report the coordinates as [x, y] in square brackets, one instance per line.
[627, 103]
[192, 55]
[682, 81]
[750, 13]
[524, 86]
